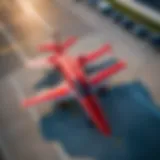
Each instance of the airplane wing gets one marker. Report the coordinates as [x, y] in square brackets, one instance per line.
[94, 55]
[51, 94]
[101, 76]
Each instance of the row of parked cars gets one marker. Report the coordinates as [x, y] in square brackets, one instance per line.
[138, 29]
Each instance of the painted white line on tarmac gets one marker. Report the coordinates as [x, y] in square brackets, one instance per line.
[21, 54]
[21, 96]
[27, 6]
[18, 50]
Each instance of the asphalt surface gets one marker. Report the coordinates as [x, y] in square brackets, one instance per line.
[20, 138]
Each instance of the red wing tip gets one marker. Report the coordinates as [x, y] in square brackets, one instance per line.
[122, 64]
[25, 104]
[105, 48]
[108, 47]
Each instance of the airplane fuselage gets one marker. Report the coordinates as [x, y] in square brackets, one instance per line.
[79, 84]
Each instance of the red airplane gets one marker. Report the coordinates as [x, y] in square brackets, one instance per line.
[77, 84]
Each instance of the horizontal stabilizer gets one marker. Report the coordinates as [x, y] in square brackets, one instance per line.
[94, 55]
[108, 72]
